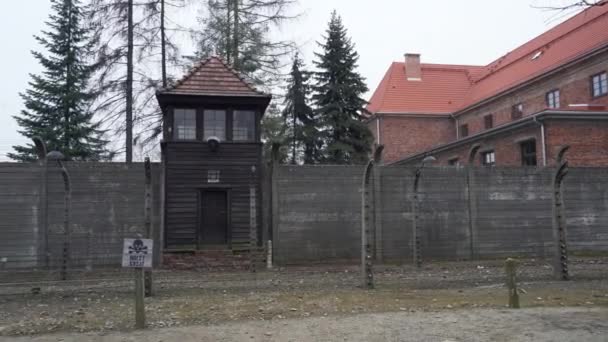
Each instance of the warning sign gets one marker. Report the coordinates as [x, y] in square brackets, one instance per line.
[137, 253]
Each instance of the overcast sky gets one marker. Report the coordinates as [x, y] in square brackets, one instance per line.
[442, 31]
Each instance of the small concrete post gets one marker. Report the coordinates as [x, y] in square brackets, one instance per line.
[148, 221]
[90, 255]
[140, 313]
[269, 255]
[253, 242]
[511, 270]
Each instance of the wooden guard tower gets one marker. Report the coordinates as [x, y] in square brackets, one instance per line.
[212, 155]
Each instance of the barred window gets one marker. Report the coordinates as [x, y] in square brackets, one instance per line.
[184, 124]
[528, 153]
[599, 84]
[214, 124]
[488, 121]
[243, 125]
[488, 158]
[517, 111]
[464, 130]
[553, 99]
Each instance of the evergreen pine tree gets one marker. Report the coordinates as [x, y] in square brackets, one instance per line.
[57, 102]
[337, 98]
[274, 132]
[300, 116]
[240, 31]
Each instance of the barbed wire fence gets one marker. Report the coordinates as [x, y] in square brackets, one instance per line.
[539, 263]
[317, 242]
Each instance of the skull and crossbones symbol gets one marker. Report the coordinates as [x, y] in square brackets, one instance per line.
[138, 248]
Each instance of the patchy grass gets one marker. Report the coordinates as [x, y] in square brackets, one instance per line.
[95, 312]
[219, 298]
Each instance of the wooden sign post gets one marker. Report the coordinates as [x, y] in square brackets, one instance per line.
[137, 254]
[511, 268]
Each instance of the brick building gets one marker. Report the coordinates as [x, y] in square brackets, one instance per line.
[518, 110]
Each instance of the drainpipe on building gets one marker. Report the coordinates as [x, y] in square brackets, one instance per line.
[378, 130]
[542, 140]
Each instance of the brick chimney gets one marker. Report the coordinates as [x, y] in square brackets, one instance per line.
[412, 67]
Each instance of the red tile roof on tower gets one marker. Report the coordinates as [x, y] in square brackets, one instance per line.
[446, 89]
[213, 77]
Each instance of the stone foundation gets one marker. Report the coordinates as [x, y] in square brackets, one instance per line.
[211, 260]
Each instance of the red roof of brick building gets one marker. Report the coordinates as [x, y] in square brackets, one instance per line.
[447, 89]
[443, 89]
[213, 77]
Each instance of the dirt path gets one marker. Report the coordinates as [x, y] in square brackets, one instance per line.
[535, 324]
[210, 299]
[43, 314]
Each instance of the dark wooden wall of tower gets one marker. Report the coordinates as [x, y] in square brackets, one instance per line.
[186, 164]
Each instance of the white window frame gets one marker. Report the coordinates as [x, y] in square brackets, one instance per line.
[184, 124]
[491, 161]
[213, 176]
[553, 99]
[217, 131]
[250, 130]
[599, 84]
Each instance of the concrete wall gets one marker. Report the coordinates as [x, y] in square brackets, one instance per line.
[318, 217]
[463, 213]
[20, 207]
[510, 209]
[586, 208]
[107, 205]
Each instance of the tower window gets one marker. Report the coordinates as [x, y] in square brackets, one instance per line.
[215, 124]
[184, 124]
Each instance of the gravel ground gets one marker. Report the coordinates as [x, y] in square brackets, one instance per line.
[201, 298]
[536, 324]
[431, 275]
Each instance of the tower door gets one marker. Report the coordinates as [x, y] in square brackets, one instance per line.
[214, 217]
